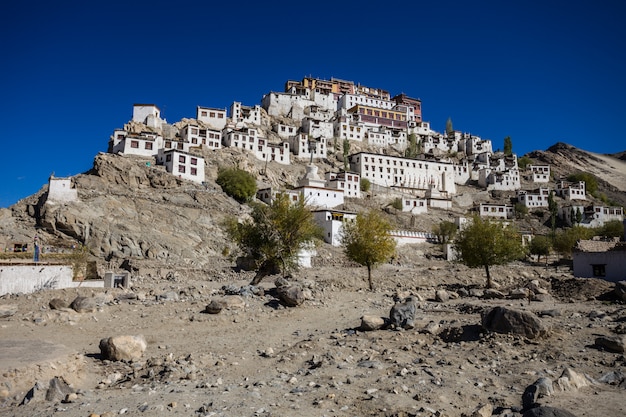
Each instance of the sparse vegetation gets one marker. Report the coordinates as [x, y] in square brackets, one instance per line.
[484, 243]
[367, 241]
[237, 183]
[591, 182]
[274, 235]
[445, 231]
[365, 185]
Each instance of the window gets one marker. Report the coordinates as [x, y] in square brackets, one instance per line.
[181, 169]
[148, 145]
[599, 270]
[194, 161]
[203, 113]
[168, 157]
[194, 171]
[134, 144]
[181, 159]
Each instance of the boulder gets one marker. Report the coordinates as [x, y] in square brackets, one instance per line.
[540, 388]
[229, 302]
[402, 315]
[490, 293]
[58, 390]
[571, 380]
[615, 344]
[442, 296]
[84, 304]
[369, 323]
[293, 295]
[118, 348]
[507, 320]
[57, 304]
[620, 290]
[7, 310]
[519, 294]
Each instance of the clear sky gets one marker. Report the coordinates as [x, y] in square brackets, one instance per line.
[538, 71]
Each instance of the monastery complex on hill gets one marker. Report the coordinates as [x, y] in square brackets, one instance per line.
[313, 117]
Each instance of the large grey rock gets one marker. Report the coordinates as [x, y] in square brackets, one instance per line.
[620, 290]
[508, 320]
[118, 348]
[229, 302]
[84, 304]
[58, 389]
[547, 412]
[402, 315]
[540, 388]
[293, 295]
[615, 343]
[57, 304]
[369, 323]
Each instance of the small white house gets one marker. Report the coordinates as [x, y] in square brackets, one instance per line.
[331, 222]
[182, 164]
[532, 199]
[215, 118]
[61, 190]
[348, 182]
[500, 211]
[148, 114]
[540, 173]
[571, 191]
[414, 205]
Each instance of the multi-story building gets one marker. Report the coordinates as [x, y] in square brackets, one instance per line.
[571, 191]
[214, 118]
[240, 114]
[372, 116]
[182, 164]
[305, 147]
[500, 211]
[407, 173]
[348, 182]
[539, 173]
[532, 199]
[198, 135]
[590, 216]
[331, 222]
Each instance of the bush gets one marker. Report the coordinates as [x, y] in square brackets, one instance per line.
[397, 203]
[365, 185]
[237, 183]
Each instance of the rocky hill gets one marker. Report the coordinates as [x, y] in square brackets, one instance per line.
[132, 211]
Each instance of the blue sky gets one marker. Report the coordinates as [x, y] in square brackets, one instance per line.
[538, 71]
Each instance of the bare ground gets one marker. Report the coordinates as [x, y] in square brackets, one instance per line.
[270, 360]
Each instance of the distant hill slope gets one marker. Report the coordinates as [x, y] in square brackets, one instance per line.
[566, 159]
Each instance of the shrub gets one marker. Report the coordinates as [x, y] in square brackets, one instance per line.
[237, 183]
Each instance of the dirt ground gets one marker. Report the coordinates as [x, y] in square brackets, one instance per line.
[266, 359]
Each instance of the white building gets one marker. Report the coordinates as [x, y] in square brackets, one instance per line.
[285, 131]
[500, 211]
[532, 199]
[61, 190]
[409, 237]
[331, 222]
[394, 171]
[148, 114]
[540, 173]
[414, 205]
[240, 114]
[304, 147]
[499, 180]
[145, 144]
[590, 216]
[348, 182]
[310, 187]
[345, 128]
[317, 128]
[571, 191]
[214, 118]
[198, 135]
[182, 164]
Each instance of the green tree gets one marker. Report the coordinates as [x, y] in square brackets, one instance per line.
[523, 162]
[445, 231]
[484, 243]
[508, 146]
[412, 149]
[237, 183]
[274, 234]
[553, 209]
[541, 246]
[613, 228]
[365, 185]
[367, 241]
[346, 153]
[565, 241]
[521, 210]
[397, 203]
[579, 215]
[449, 127]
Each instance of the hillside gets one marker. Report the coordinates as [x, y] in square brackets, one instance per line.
[128, 210]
